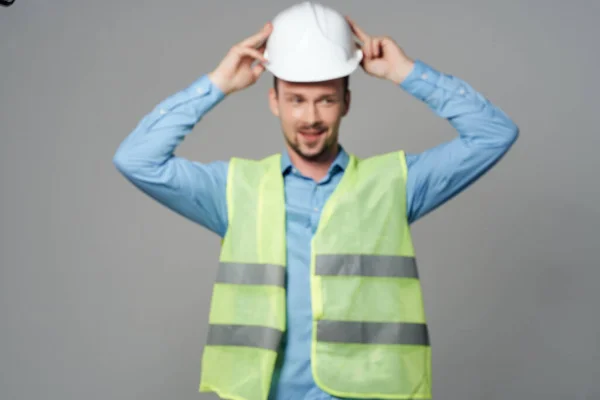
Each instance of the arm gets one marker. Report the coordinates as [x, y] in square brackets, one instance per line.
[196, 191]
[485, 134]
[146, 158]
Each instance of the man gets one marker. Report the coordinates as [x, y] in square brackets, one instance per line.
[317, 295]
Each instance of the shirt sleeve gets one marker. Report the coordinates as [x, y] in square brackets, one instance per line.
[146, 158]
[485, 134]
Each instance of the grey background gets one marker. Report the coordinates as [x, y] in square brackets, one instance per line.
[104, 293]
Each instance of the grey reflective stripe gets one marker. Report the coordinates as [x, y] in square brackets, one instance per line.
[244, 335]
[372, 332]
[366, 265]
[251, 274]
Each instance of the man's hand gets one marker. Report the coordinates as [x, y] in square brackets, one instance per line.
[236, 72]
[382, 57]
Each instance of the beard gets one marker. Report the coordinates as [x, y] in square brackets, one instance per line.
[326, 149]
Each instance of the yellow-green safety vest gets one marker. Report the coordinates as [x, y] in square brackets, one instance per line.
[370, 337]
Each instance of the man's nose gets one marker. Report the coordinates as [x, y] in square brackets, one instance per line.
[312, 114]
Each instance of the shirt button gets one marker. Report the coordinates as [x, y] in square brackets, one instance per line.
[200, 90]
[163, 111]
[461, 91]
[424, 76]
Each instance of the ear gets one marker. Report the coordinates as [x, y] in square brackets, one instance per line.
[273, 104]
[347, 98]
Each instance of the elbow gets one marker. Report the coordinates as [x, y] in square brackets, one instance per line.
[512, 134]
[505, 128]
[507, 131]
[135, 168]
[122, 162]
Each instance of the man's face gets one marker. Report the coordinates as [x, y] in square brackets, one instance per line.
[310, 115]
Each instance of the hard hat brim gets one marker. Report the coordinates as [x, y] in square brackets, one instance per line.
[317, 72]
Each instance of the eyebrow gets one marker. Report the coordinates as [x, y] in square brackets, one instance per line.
[328, 95]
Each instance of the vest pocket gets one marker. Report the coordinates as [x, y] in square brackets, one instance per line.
[373, 370]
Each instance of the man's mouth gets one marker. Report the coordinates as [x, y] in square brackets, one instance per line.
[311, 132]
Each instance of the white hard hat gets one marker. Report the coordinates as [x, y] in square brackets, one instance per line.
[310, 43]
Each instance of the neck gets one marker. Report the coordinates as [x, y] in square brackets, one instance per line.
[314, 169]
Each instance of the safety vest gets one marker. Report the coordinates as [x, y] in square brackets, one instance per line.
[370, 337]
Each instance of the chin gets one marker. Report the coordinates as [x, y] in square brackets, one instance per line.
[307, 152]
[312, 153]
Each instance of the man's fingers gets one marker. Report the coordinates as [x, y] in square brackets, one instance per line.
[368, 48]
[258, 38]
[257, 70]
[376, 47]
[262, 47]
[254, 53]
[367, 45]
[357, 30]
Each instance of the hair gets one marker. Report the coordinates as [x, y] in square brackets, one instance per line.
[346, 83]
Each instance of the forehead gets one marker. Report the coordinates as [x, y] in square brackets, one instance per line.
[334, 86]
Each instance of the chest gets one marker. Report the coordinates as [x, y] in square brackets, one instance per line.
[304, 202]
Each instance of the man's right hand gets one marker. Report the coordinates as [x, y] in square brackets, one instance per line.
[236, 72]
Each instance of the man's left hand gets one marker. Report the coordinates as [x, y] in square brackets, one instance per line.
[382, 57]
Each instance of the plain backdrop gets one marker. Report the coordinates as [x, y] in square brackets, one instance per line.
[104, 293]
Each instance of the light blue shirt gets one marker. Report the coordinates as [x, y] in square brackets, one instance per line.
[197, 191]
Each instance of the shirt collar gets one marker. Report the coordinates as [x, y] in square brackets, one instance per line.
[340, 162]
